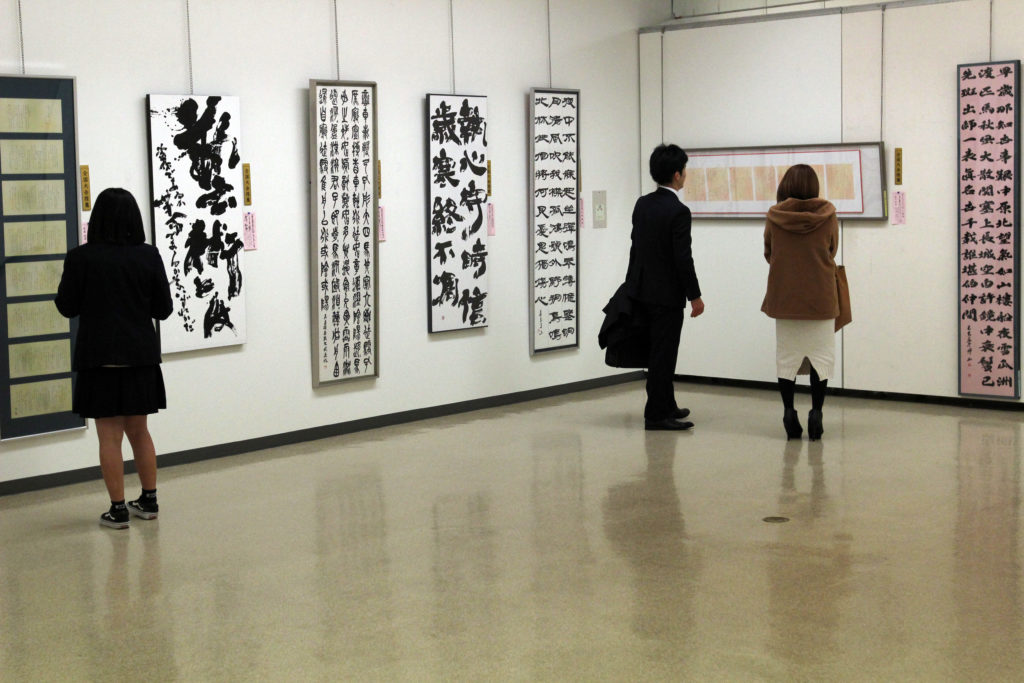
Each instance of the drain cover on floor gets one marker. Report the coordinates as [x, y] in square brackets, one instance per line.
[775, 520]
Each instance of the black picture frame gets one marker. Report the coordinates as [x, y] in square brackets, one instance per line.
[27, 93]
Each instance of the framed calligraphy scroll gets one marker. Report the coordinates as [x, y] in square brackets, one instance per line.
[457, 203]
[988, 240]
[343, 234]
[554, 224]
[39, 221]
[741, 182]
[196, 186]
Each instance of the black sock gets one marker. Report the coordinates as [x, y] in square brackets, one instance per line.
[117, 505]
[149, 493]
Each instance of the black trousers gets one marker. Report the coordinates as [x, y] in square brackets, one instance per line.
[666, 324]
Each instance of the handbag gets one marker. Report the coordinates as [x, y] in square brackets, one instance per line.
[845, 316]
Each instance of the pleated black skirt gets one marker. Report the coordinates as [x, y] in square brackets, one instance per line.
[112, 392]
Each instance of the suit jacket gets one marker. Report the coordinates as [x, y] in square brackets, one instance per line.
[661, 267]
[116, 290]
[625, 333]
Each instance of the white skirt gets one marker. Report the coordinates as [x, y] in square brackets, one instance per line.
[799, 342]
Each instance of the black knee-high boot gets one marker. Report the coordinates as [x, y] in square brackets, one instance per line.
[790, 421]
[818, 387]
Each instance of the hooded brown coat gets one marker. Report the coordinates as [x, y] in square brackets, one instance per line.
[800, 241]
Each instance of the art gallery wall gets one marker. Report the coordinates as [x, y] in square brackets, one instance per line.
[265, 52]
[856, 76]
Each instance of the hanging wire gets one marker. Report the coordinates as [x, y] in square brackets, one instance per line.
[337, 44]
[842, 55]
[188, 38]
[451, 38]
[661, 46]
[990, 30]
[21, 39]
[881, 83]
[549, 44]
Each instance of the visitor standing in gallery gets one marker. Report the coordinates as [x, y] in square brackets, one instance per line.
[116, 285]
[661, 278]
[801, 237]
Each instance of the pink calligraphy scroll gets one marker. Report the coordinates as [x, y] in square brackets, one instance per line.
[989, 194]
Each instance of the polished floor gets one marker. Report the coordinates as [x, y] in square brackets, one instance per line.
[548, 541]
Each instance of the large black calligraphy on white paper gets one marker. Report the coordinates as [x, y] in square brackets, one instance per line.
[197, 217]
[344, 231]
[554, 243]
[989, 228]
[989, 193]
[457, 208]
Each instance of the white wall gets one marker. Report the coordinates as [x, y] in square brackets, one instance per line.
[903, 279]
[265, 52]
[729, 86]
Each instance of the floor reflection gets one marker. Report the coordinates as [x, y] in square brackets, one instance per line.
[644, 523]
[809, 568]
[562, 557]
[465, 574]
[356, 618]
[987, 571]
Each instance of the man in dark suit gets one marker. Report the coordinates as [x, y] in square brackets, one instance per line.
[662, 279]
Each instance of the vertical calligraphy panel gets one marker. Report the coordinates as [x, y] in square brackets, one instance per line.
[554, 225]
[196, 183]
[456, 209]
[343, 238]
[39, 222]
[989, 234]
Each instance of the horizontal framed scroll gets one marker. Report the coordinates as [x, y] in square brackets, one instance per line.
[741, 182]
[988, 238]
[39, 222]
[196, 185]
[343, 234]
[457, 205]
[554, 219]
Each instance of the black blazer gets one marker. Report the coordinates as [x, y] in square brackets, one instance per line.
[661, 261]
[625, 333]
[116, 290]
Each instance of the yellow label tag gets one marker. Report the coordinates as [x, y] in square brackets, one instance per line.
[899, 165]
[86, 190]
[488, 177]
[247, 184]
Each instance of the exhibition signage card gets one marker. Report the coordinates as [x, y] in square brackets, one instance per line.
[196, 177]
[39, 222]
[555, 221]
[989, 228]
[456, 210]
[343, 149]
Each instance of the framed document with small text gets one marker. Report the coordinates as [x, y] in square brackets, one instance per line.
[741, 182]
[39, 221]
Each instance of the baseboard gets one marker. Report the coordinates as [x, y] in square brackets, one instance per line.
[960, 402]
[46, 481]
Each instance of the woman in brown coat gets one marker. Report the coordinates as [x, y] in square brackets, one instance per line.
[800, 241]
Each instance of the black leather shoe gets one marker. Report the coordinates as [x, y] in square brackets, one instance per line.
[668, 424]
[681, 413]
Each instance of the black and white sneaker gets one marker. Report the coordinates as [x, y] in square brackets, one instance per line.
[144, 508]
[115, 519]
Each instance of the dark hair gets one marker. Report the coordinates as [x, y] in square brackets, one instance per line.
[666, 160]
[800, 182]
[116, 218]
